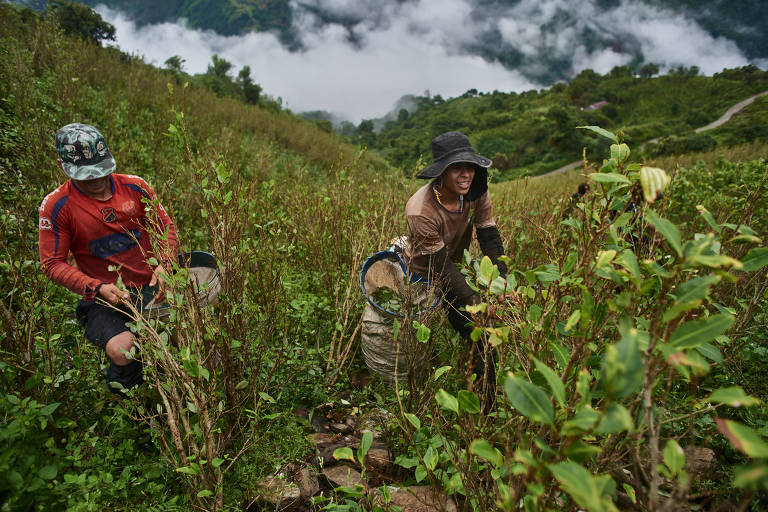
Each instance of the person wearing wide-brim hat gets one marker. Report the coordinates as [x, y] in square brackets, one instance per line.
[103, 220]
[441, 217]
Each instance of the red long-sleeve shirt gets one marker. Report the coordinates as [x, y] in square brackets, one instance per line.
[100, 234]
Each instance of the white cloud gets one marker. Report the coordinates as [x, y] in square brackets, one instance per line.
[661, 36]
[601, 61]
[331, 74]
[676, 41]
[408, 47]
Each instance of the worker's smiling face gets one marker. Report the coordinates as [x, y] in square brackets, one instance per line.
[457, 178]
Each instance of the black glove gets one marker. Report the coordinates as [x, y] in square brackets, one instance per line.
[450, 279]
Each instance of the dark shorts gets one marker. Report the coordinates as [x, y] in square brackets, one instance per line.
[101, 322]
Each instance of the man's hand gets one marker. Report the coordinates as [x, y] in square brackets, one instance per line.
[112, 294]
[512, 298]
[157, 279]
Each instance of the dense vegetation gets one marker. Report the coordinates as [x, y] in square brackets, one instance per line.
[535, 131]
[633, 338]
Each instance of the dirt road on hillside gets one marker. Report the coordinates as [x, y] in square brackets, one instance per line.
[730, 112]
[711, 126]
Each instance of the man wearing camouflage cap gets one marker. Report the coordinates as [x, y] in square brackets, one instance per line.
[108, 223]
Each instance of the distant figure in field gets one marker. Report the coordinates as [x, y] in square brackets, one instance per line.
[100, 217]
[642, 236]
[577, 196]
[582, 189]
[441, 217]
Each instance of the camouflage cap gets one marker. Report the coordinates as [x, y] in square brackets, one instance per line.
[83, 152]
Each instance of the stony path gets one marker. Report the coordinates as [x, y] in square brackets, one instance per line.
[714, 124]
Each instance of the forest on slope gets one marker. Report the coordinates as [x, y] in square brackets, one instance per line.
[624, 359]
[535, 131]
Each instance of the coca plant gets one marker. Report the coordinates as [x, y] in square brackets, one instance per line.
[601, 350]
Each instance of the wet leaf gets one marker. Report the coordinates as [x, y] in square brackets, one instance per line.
[653, 181]
[484, 450]
[440, 371]
[667, 229]
[674, 457]
[610, 177]
[694, 333]
[530, 400]
[447, 401]
[588, 491]
[600, 131]
[554, 381]
[755, 259]
[469, 402]
[413, 420]
[616, 418]
[743, 438]
[619, 152]
[365, 444]
[344, 453]
[733, 396]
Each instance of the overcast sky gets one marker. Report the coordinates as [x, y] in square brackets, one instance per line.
[407, 48]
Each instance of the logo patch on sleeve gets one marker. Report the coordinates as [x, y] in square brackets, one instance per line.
[45, 223]
[129, 207]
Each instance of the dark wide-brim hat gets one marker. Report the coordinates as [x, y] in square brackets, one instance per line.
[450, 148]
[454, 147]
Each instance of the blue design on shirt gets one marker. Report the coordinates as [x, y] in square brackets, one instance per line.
[137, 189]
[114, 244]
[54, 214]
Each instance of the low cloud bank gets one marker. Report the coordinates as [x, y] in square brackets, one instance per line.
[360, 56]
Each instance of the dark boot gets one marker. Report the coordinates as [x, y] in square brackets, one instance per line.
[128, 376]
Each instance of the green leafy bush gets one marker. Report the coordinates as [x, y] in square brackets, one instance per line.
[596, 346]
[31, 459]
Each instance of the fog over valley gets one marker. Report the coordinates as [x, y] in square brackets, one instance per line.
[355, 58]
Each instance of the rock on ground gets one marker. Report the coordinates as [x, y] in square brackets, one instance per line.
[275, 493]
[418, 499]
[307, 482]
[378, 463]
[375, 421]
[326, 444]
[346, 476]
[699, 461]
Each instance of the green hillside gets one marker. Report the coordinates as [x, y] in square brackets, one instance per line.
[535, 131]
[631, 347]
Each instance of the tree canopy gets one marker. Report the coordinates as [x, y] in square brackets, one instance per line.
[78, 19]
